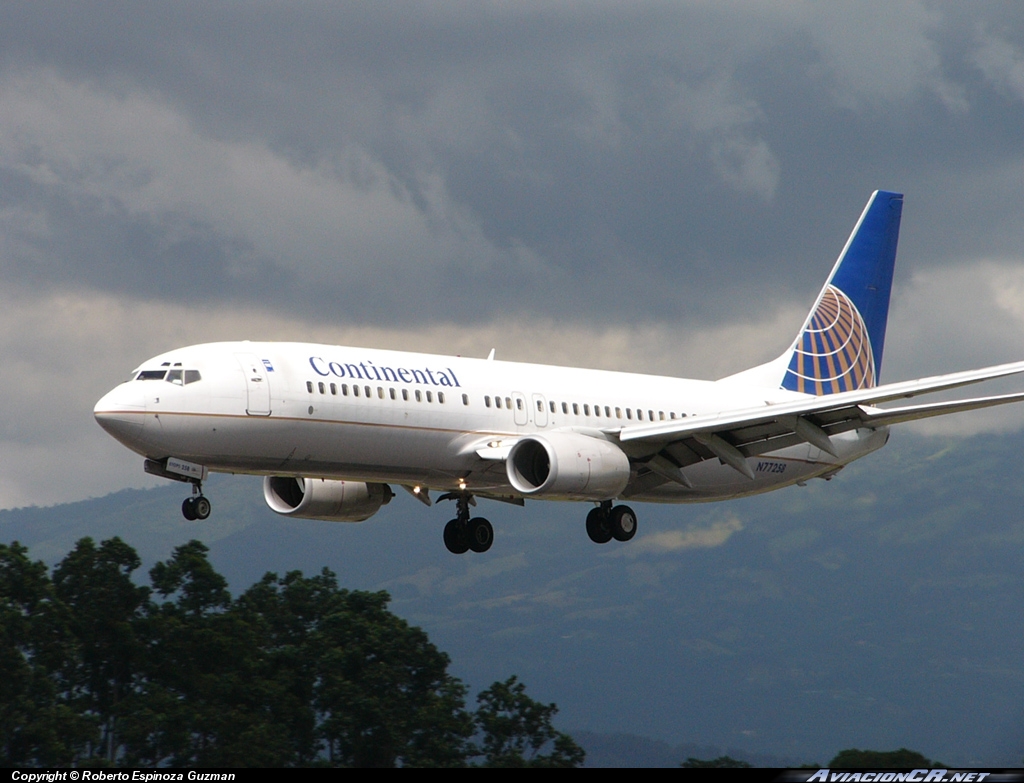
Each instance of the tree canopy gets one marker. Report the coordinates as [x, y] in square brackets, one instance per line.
[852, 758]
[96, 669]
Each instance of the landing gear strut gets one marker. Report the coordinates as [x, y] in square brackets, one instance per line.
[197, 506]
[606, 522]
[462, 533]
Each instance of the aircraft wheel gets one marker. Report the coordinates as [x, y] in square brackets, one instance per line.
[480, 534]
[455, 538]
[201, 507]
[188, 509]
[622, 522]
[598, 529]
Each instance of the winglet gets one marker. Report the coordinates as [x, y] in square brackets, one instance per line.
[840, 345]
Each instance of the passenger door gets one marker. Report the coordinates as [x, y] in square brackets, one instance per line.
[257, 386]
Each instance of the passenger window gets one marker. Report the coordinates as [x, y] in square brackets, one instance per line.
[618, 413]
[639, 415]
[597, 411]
[661, 415]
[551, 405]
[497, 402]
[309, 386]
[419, 397]
[430, 396]
[575, 409]
[355, 390]
[191, 376]
[608, 411]
[440, 398]
[391, 392]
[629, 414]
[565, 407]
[671, 414]
[380, 392]
[174, 376]
[366, 389]
[650, 415]
[320, 386]
[487, 401]
[519, 403]
[465, 399]
[540, 407]
[405, 395]
[334, 389]
[344, 390]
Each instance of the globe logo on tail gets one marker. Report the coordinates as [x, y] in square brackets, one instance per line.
[833, 353]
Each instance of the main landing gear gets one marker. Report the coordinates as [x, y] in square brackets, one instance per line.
[607, 522]
[197, 506]
[462, 533]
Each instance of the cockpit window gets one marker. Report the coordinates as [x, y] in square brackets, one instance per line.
[179, 377]
[151, 375]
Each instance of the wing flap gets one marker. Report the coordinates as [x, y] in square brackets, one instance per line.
[884, 416]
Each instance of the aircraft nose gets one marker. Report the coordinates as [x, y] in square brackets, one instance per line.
[121, 411]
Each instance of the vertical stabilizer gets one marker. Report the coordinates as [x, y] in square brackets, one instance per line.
[840, 345]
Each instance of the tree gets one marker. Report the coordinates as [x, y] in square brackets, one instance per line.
[384, 689]
[207, 698]
[852, 758]
[722, 762]
[36, 727]
[296, 671]
[103, 609]
[515, 730]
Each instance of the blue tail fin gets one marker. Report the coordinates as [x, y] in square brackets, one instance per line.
[840, 345]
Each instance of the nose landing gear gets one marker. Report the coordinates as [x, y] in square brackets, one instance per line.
[197, 506]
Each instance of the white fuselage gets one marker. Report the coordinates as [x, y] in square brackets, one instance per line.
[296, 409]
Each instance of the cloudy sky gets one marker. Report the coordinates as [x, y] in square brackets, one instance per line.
[656, 186]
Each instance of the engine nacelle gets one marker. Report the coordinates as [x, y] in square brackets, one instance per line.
[567, 465]
[327, 499]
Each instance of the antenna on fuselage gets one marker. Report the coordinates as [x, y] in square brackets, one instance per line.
[490, 356]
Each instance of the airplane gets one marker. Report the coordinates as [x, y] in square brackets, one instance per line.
[331, 429]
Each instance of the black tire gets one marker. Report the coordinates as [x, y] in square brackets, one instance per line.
[598, 529]
[622, 522]
[455, 538]
[188, 509]
[481, 534]
[201, 507]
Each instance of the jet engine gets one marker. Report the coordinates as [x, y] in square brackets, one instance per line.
[327, 499]
[567, 465]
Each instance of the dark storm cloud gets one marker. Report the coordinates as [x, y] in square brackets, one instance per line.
[666, 162]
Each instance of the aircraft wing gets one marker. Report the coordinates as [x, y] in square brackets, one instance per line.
[735, 435]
